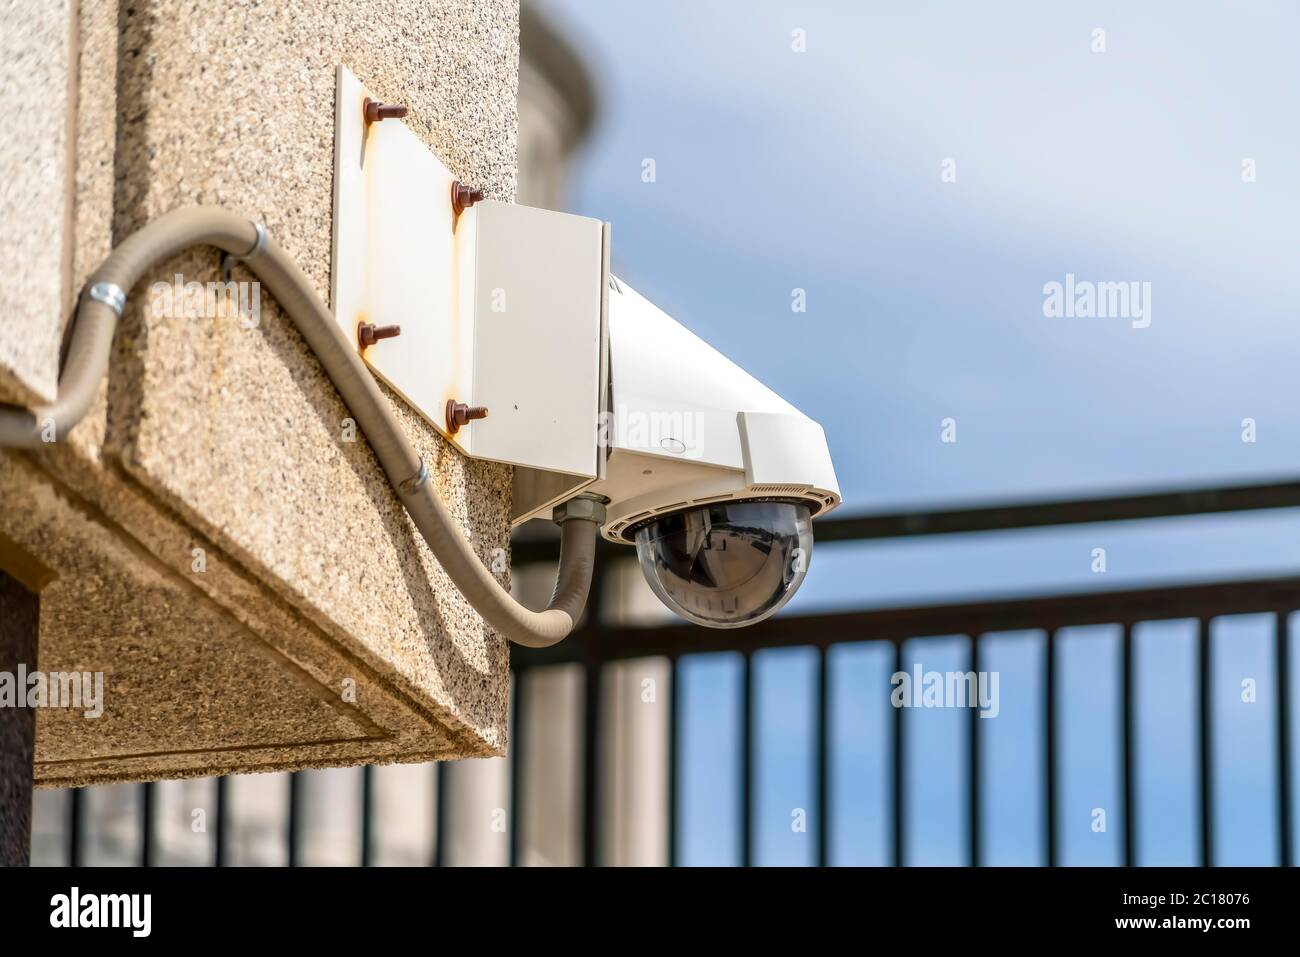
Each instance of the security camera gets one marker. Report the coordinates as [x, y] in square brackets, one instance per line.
[521, 347]
[711, 475]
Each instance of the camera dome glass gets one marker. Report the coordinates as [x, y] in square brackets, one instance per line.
[727, 564]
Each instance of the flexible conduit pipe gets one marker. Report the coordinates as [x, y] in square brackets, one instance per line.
[87, 364]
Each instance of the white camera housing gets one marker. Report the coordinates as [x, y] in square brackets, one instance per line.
[712, 475]
[587, 386]
[685, 427]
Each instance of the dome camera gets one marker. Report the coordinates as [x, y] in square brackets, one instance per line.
[729, 564]
[713, 477]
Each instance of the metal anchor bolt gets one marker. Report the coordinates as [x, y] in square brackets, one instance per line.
[376, 111]
[463, 197]
[368, 333]
[459, 414]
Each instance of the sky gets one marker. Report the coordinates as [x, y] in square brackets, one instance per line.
[921, 172]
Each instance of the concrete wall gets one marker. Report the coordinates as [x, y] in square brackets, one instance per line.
[35, 49]
[318, 631]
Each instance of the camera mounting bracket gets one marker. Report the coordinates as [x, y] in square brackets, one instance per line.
[500, 307]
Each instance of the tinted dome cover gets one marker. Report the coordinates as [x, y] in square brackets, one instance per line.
[727, 564]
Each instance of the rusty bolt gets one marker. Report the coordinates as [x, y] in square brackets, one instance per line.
[376, 111]
[368, 333]
[459, 414]
[463, 197]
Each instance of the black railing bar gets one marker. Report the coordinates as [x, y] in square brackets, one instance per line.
[1049, 745]
[148, 791]
[1205, 691]
[974, 822]
[1128, 652]
[823, 813]
[1283, 639]
[674, 760]
[442, 813]
[292, 835]
[897, 794]
[367, 815]
[900, 623]
[1004, 516]
[221, 813]
[747, 762]
[75, 823]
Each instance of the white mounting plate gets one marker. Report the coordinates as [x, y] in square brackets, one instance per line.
[502, 306]
[392, 216]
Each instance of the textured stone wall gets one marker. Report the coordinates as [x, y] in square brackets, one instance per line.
[35, 48]
[226, 439]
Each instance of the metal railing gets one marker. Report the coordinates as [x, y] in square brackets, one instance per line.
[596, 645]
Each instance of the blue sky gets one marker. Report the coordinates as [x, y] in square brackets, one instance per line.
[821, 170]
